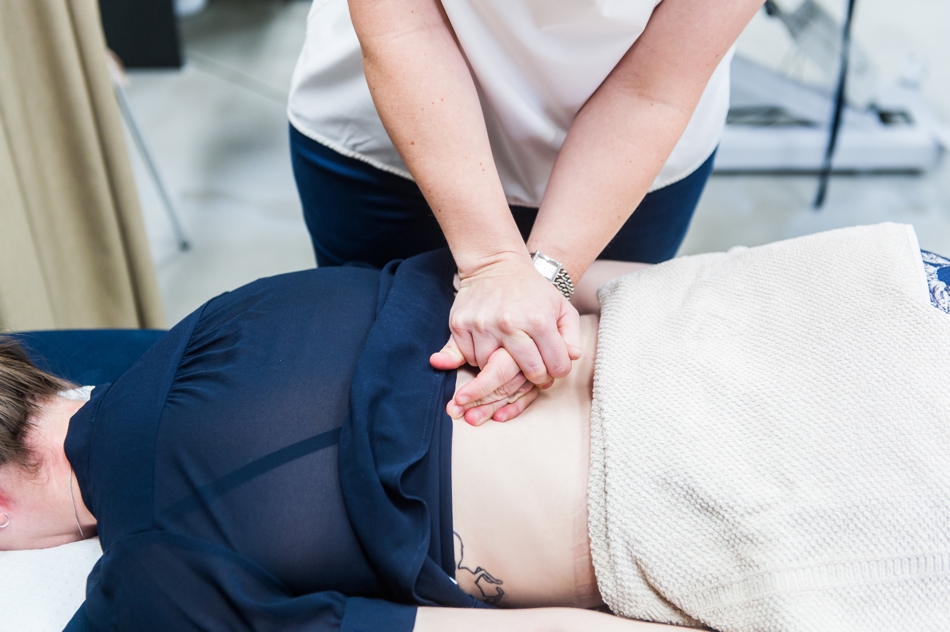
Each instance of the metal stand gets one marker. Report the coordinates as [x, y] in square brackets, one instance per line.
[183, 244]
[838, 109]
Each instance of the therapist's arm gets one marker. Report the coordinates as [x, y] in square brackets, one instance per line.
[599, 273]
[426, 99]
[615, 148]
[626, 131]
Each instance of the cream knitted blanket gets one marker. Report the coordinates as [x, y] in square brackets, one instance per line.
[770, 440]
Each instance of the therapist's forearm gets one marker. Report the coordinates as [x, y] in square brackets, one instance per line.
[600, 272]
[613, 152]
[626, 131]
[426, 99]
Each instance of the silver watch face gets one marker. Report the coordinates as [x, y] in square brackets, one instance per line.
[547, 266]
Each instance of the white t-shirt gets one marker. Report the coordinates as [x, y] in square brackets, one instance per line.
[535, 63]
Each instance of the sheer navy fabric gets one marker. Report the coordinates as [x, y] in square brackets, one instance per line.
[225, 496]
[395, 450]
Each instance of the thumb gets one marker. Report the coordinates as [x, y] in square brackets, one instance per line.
[448, 358]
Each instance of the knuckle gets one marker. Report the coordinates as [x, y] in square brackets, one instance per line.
[532, 367]
[559, 370]
[508, 322]
[479, 324]
[458, 324]
[536, 321]
[537, 376]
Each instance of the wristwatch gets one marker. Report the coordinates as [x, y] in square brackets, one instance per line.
[554, 272]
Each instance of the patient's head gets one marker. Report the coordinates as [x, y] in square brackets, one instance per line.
[36, 510]
[23, 389]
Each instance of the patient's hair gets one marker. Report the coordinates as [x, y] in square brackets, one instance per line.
[23, 389]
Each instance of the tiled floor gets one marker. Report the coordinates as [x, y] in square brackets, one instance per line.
[218, 131]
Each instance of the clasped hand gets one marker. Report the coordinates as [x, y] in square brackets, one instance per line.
[516, 327]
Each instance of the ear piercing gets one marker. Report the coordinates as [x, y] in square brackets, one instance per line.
[6, 523]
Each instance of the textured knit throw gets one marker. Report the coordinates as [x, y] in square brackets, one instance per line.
[770, 442]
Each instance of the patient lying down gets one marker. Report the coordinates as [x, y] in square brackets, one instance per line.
[282, 458]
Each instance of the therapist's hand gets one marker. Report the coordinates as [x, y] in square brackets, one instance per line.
[499, 392]
[506, 303]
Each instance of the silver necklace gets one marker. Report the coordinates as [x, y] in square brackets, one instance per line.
[75, 512]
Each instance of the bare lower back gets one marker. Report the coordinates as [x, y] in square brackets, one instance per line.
[520, 497]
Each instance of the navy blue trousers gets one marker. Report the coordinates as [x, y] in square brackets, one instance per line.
[356, 212]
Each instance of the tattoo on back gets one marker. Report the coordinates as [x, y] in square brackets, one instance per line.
[488, 585]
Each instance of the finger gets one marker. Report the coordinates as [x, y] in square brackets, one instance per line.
[569, 326]
[512, 410]
[501, 373]
[553, 350]
[505, 395]
[517, 386]
[489, 385]
[485, 346]
[484, 411]
[480, 414]
[525, 353]
[463, 340]
[449, 358]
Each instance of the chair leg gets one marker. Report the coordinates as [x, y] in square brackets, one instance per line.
[123, 99]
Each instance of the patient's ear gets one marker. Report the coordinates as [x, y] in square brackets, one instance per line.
[4, 499]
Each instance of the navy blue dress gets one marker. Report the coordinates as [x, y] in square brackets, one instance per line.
[280, 460]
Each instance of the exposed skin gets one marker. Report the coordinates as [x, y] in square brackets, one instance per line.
[519, 497]
[529, 620]
[41, 512]
[426, 99]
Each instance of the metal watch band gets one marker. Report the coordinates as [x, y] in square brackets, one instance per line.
[554, 272]
[563, 282]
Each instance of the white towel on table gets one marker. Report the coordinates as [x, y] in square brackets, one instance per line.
[770, 443]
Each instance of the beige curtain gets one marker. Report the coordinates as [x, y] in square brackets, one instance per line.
[73, 252]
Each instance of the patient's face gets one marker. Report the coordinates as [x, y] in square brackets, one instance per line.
[28, 511]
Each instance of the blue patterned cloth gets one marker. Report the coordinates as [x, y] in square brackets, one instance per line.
[938, 279]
